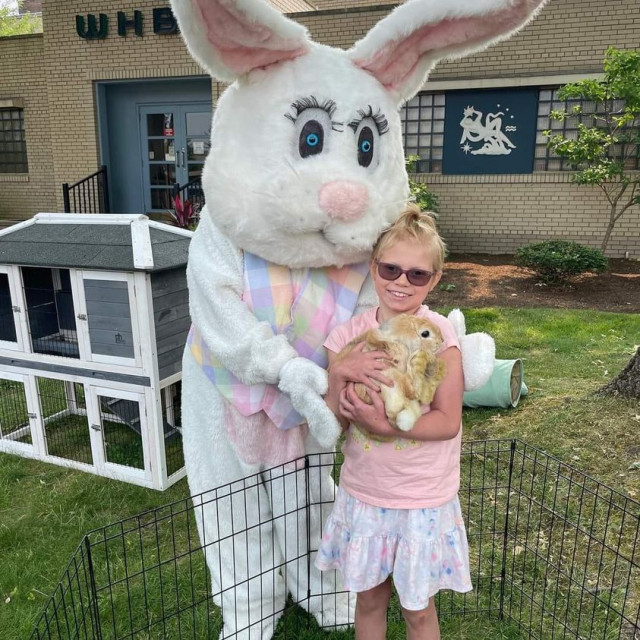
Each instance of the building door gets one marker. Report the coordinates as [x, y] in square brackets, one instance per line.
[127, 138]
[175, 141]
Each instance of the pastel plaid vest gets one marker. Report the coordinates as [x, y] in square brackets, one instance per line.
[304, 305]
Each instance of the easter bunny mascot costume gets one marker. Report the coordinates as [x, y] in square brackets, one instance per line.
[306, 168]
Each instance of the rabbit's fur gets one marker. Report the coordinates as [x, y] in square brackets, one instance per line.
[275, 191]
[411, 343]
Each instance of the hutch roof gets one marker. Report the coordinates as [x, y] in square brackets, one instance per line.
[110, 242]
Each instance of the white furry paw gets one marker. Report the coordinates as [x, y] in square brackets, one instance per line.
[456, 318]
[406, 419]
[299, 375]
[478, 353]
[305, 383]
[478, 359]
[337, 612]
[323, 425]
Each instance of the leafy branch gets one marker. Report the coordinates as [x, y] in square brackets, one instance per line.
[605, 148]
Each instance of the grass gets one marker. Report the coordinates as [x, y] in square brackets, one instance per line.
[45, 510]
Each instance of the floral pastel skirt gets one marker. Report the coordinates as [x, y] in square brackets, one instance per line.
[425, 549]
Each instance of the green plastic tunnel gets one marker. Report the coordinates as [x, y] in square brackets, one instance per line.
[504, 389]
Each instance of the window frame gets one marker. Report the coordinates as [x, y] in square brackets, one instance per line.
[430, 157]
[14, 148]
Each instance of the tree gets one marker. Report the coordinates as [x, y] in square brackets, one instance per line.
[627, 382]
[18, 25]
[605, 151]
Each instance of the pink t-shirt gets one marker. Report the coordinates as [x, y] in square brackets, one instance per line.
[404, 473]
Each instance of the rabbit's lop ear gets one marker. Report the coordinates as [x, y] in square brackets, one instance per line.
[403, 47]
[231, 37]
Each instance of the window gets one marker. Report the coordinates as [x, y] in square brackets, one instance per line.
[13, 146]
[548, 101]
[423, 130]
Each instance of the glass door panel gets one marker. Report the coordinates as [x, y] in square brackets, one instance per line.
[175, 143]
[160, 159]
[198, 128]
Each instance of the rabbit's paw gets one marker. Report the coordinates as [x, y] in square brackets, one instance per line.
[407, 418]
[305, 383]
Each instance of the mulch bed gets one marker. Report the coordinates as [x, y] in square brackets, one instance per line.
[484, 280]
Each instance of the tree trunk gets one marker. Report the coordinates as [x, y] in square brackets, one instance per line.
[627, 383]
[611, 224]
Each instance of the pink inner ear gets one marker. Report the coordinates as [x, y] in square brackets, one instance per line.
[243, 44]
[397, 60]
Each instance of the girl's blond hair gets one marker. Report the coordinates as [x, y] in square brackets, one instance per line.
[413, 224]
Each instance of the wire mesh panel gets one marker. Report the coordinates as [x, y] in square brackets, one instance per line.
[51, 313]
[14, 415]
[121, 431]
[172, 426]
[573, 568]
[7, 323]
[554, 554]
[65, 420]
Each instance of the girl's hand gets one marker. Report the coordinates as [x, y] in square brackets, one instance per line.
[371, 417]
[362, 366]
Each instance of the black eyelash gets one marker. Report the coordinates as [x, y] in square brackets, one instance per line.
[311, 102]
[381, 122]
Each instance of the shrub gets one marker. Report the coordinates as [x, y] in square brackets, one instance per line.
[425, 199]
[559, 260]
[185, 215]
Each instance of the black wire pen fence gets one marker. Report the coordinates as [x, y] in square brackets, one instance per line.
[554, 554]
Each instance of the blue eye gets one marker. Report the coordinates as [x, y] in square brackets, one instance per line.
[311, 140]
[365, 147]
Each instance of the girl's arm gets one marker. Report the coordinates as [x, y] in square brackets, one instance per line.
[441, 423]
[357, 366]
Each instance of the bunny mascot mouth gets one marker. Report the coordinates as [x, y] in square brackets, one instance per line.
[305, 170]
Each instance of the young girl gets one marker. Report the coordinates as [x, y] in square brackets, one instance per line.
[397, 510]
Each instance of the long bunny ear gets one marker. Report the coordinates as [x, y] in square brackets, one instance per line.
[229, 38]
[403, 47]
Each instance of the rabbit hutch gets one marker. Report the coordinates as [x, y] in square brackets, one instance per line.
[93, 321]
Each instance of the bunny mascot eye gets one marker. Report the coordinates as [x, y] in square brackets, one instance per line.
[313, 124]
[305, 170]
[367, 129]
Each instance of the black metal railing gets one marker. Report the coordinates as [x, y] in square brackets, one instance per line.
[553, 554]
[89, 195]
[191, 191]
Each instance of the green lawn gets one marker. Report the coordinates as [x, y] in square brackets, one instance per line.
[45, 510]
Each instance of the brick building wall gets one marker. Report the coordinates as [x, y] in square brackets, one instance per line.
[567, 39]
[498, 214]
[23, 84]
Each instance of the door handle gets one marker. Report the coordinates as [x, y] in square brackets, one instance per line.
[184, 159]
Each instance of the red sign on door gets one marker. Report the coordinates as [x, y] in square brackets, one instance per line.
[168, 124]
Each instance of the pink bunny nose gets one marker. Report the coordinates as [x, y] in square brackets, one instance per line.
[343, 199]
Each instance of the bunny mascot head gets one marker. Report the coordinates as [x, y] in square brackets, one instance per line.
[306, 168]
